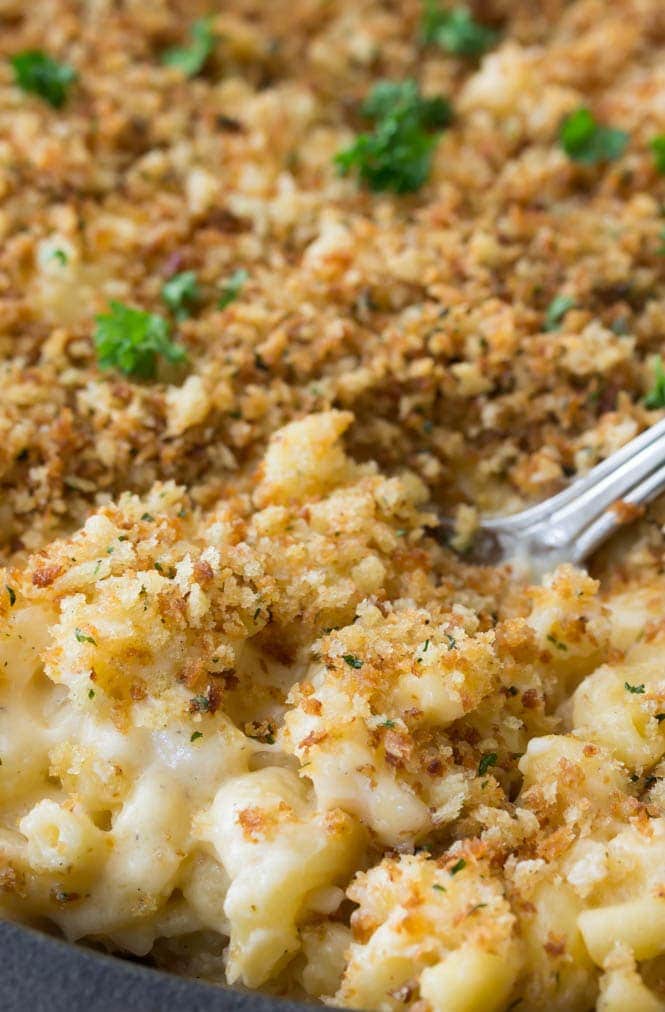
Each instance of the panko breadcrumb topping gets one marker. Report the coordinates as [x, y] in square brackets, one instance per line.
[280, 285]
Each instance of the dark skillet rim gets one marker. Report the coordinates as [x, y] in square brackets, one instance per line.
[39, 973]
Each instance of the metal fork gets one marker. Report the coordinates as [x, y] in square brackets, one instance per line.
[569, 526]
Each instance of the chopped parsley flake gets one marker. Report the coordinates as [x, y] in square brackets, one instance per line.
[232, 288]
[257, 613]
[556, 311]
[658, 149]
[181, 293]
[439, 888]
[457, 866]
[131, 339]
[655, 397]
[60, 256]
[199, 704]
[191, 59]
[352, 661]
[489, 759]
[426, 646]
[397, 155]
[195, 735]
[148, 517]
[83, 637]
[11, 594]
[91, 693]
[36, 72]
[452, 642]
[387, 723]
[638, 689]
[588, 142]
[456, 30]
[557, 643]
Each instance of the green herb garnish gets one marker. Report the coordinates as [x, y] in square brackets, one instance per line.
[452, 642]
[397, 155]
[131, 339]
[352, 661]
[195, 735]
[387, 723]
[60, 256]
[36, 72]
[181, 293]
[638, 689]
[655, 398]
[83, 637]
[456, 30]
[657, 145]
[11, 594]
[232, 288]
[457, 866]
[91, 693]
[589, 142]
[557, 309]
[489, 759]
[439, 888]
[190, 59]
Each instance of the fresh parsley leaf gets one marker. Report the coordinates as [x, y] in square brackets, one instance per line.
[181, 293]
[489, 759]
[397, 155]
[457, 866]
[387, 723]
[589, 142]
[456, 30]
[91, 693]
[556, 311]
[36, 72]
[190, 59]
[439, 888]
[655, 398]
[60, 256]
[11, 594]
[657, 145]
[452, 642]
[232, 288]
[638, 689]
[352, 661]
[196, 734]
[83, 637]
[130, 340]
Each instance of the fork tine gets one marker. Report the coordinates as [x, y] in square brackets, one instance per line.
[609, 521]
[543, 511]
[595, 499]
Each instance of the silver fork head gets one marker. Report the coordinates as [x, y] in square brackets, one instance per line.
[569, 526]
